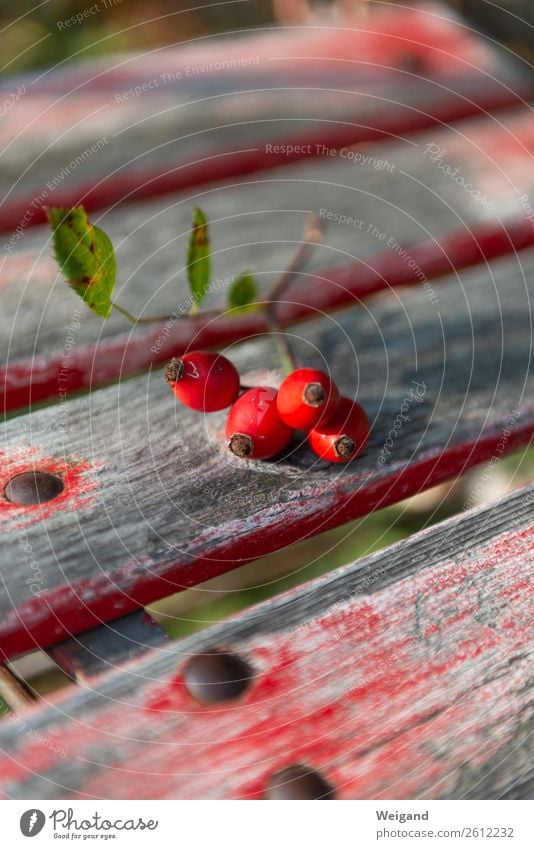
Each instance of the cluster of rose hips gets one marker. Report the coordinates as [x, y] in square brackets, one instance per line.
[262, 420]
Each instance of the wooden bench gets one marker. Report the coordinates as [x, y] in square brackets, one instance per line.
[401, 675]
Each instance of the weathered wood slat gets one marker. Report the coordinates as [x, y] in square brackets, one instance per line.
[153, 503]
[108, 646]
[207, 110]
[404, 675]
[415, 222]
[209, 162]
[46, 378]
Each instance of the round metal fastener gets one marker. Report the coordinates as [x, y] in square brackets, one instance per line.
[219, 676]
[33, 488]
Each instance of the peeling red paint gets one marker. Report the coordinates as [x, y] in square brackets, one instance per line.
[357, 692]
[66, 610]
[78, 481]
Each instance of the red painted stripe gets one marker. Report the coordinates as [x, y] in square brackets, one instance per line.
[40, 379]
[70, 609]
[229, 165]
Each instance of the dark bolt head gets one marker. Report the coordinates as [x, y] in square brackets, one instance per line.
[298, 782]
[33, 488]
[217, 677]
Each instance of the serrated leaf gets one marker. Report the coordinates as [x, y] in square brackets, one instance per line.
[199, 257]
[86, 257]
[242, 291]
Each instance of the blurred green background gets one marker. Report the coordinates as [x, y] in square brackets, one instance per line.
[33, 36]
[37, 35]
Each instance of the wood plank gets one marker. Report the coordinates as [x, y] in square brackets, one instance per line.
[153, 503]
[108, 646]
[409, 202]
[207, 109]
[46, 378]
[403, 675]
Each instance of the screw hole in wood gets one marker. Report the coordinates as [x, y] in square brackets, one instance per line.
[298, 782]
[219, 676]
[35, 487]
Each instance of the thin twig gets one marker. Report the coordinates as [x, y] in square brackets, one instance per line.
[313, 235]
[163, 318]
[12, 691]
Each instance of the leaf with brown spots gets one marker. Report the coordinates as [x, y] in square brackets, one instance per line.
[86, 257]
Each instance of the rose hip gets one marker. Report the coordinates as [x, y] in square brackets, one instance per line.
[203, 380]
[254, 429]
[306, 398]
[344, 436]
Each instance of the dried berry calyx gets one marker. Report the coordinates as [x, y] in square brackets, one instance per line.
[241, 445]
[344, 447]
[314, 395]
[174, 370]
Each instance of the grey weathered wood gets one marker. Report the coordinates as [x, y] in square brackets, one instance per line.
[201, 115]
[447, 716]
[160, 504]
[256, 224]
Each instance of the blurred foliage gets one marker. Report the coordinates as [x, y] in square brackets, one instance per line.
[36, 35]
[48, 682]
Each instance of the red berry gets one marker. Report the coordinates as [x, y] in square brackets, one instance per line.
[254, 429]
[306, 398]
[344, 436]
[203, 380]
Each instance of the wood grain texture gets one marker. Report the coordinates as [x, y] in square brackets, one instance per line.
[153, 502]
[177, 118]
[53, 377]
[409, 201]
[404, 675]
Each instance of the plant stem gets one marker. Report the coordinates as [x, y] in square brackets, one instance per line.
[124, 312]
[162, 318]
[313, 234]
[285, 351]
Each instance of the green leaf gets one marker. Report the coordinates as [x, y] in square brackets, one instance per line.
[242, 291]
[199, 257]
[86, 257]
